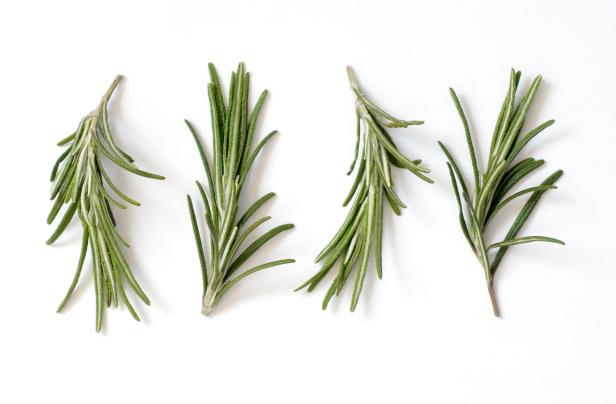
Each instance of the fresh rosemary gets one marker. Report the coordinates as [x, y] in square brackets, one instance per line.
[361, 232]
[491, 188]
[80, 180]
[233, 128]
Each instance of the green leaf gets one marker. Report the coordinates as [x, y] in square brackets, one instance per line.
[237, 241]
[66, 219]
[403, 124]
[60, 159]
[127, 303]
[82, 257]
[503, 116]
[517, 195]
[114, 188]
[109, 138]
[351, 259]
[329, 294]
[254, 155]
[522, 217]
[254, 207]
[518, 120]
[527, 138]
[204, 161]
[453, 164]
[125, 166]
[378, 222]
[467, 133]
[463, 224]
[211, 216]
[504, 119]
[228, 284]
[513, 176]
[357, 141]
[358, 179]
[253, 123]
[407, 163]
[349, 221]
[524, 240]
[67, 139]
[363, 266]
[258, 243]
[336, 249]
[198, 242]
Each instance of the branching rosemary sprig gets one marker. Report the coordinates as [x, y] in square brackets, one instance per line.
[492, 186]
[233, 128]
[80, 180]
[362, 231]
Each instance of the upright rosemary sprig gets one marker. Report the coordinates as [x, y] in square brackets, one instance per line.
[80, 180]
[491, 187]
[362, 231]
[233, 128]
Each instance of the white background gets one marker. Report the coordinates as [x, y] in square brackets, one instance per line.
[425, 333]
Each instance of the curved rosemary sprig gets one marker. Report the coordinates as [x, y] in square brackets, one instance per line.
[499, 177]
[362, 230]
[233, 128]
[80, 180]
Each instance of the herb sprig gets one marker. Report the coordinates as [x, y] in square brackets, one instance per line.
[491, 187]
[361, 234]
[233, 128]
[81, 181]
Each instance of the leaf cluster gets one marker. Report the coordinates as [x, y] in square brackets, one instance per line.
[478, 206]
[79, 180]
[233, 129]
[361, 234]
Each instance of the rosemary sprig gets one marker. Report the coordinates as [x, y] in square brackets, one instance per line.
[80, 180]
[362, 231]
[491, 188]
[233, 128]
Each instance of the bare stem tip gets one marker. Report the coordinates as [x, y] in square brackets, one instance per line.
[352, 78]
[112, 87]
[206, 310]
[493, 299]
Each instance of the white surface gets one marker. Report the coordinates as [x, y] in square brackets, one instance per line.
[425, 333]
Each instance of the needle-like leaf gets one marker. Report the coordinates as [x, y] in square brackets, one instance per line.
[527, 209]
[524, 240]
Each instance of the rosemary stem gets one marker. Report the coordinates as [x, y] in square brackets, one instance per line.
[493, 299]
[209, 301]
[111, 89]
[352, 78]
[485, 263]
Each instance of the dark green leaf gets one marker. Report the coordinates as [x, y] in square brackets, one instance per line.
[522, 217]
